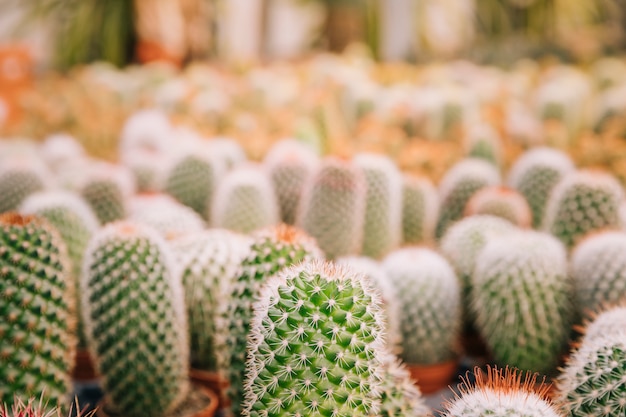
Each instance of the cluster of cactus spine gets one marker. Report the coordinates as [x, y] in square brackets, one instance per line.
[38, 302]
[610, 319]
[399, 394]
[521, 296]
[535, 174]
[332, 209]
[501, 202]
[106, 189]
[18, 180]
[133, 310]
[420, 210]
[582, 202]
[245, 201]
[315, 345]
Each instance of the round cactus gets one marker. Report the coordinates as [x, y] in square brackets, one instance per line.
[482, 142]
[133, 310]
[148, 129]
[458, 186]
[521, 295]
[428, 294]
[501, 202]
[148, 167]
[228, 150]
[382, 227]
[166, 215]
[420, 210]
[59, 149]
[581, 202]
[400, 396]
[315, 345]
[106, 189]
[609, 320]
[18, 180]
[534, 175]
[332, 209]
[36, 349]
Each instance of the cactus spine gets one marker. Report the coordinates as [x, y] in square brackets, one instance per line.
[609, 320]
[501, 202]
[400, 396]
[420, 210]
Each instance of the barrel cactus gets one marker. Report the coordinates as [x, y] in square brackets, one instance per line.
[399, 394]
[501, 202]
[166, 215]
[521, 296]
[332, 209]
[315, 345]
[420, 210]
[18, 180]
[534, 175]
[106, 189]
[608, 320]
[582, 202]
[36, 350]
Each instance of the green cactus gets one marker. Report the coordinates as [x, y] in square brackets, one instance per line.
[521, 296]
[166, 215]
[483, 142]
[420, 210]
[315, 345]
[37, 307]
[458, 186]
[272, 250]
[210, 261]
[534, 175]
[133, 310]
[228, 150]
[609, 320]
[582, 202]
[332, 209]
[245, 201]
[106, 189]
[289, 164]
[400, 396]
[18, 180]
[501, 202]
[428, 293]
[148, 168]
[382, 226]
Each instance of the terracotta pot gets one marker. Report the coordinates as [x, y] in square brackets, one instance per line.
[214, 382]
[83, 367]
[432, 378]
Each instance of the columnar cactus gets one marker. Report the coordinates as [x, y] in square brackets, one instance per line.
[332, 209]
[535, 173]
[133, 310]
[289, 164]
[18, 180]
[428, 293]
[382, 227]
[503, 393]
[521, 295]
[210, 261]
[501, 202]
[166, 215]
[106, 189]
[245, 201]
[315, 345]
[420, 210]
[36, 349]
[582, 202]
[400, 396]
[272, 250]
[458, 186]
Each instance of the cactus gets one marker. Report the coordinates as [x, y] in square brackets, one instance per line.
[521, 295]
[482, 142]
[148, 129]
[420, 210]
[332, 209]
[289, 164]
[501, 202]
[166, 215]
[502, 393]
[315, 345]
[38, 302]
[245, 201]
[148, 168]
[428, 293]
[18, 180]
[608, 320]
[382, 226]
[272, 250]
[38, 407]
[227, 150]
[582, 202]
[400, 396]
[60, 149]
[210, 261]
[106, 189]
[458, 186]
[534, 175]
[133, 310]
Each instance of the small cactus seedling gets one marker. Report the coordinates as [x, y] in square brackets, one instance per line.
[534, 175]
[289, 164]
[166, 215]
[501, 202]
[106, 189]
[428, 293]
[503, 393]
[332, 209]
[521, 295]
[582, 202]
[420, 210]
[459, 185]
[483, 142]
[382, 227]
[245, 201]
[315, 345]
[18, 180]
[38, 340]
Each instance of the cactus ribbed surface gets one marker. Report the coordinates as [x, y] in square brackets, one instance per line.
[133, 310]
[289, 164]
[332, 209]
[18, 180]
[521, 296]
[458, 186]
[166, 215]
[315, 345]
[420, 210]
[400, 396]
[245, 201]
[210, 261]
[106, 189]
[501, 202]
[534, 175]
[37, 307]
[429, 296]
[382, 227]
[582, 202]
[272, 250]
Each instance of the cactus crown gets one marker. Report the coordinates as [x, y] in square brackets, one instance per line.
[166, 215]
[501, 202]
[610, 319]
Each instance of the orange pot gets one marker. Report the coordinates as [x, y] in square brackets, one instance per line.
[83, 367]
[432, 378]
[214, 382]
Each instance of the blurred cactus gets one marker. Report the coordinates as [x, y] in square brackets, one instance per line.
[161, 212]
[20, 178]
[400, 395]
[106, 189]
[500, 202]
[483, 142]
[420, 210]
